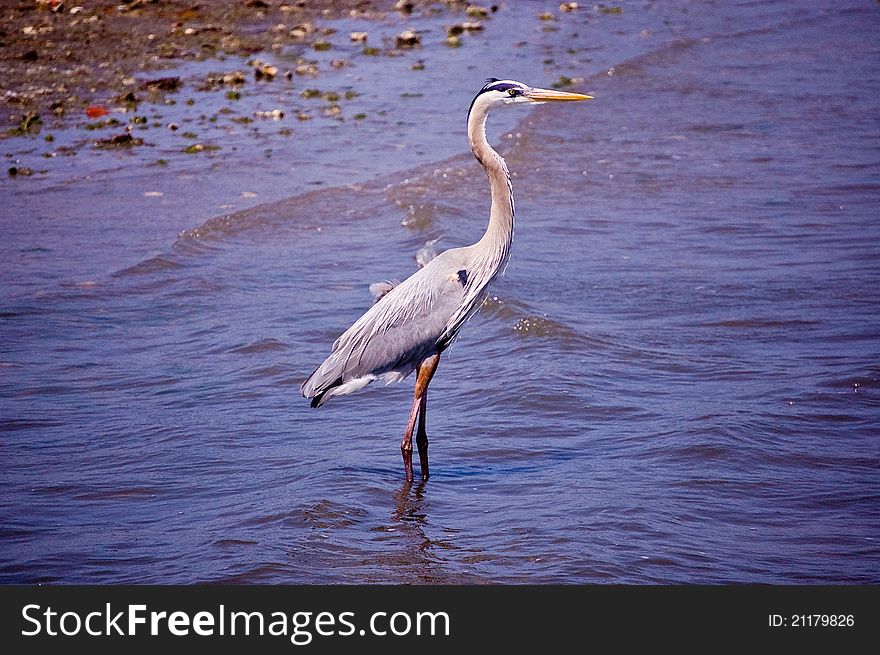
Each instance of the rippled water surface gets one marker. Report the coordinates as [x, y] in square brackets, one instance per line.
[675, 381]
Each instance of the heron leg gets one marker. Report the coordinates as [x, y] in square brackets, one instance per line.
[422, 435]
[424, 374]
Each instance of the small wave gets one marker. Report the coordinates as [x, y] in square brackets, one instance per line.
[155, 264]
[757, 323]
[119, 494]
[261, 346]
[541, 326]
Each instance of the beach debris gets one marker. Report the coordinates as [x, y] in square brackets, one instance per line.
[418, 66]
[52, 5]
[128, 99]
[199, 147]
[33, 30]
[408, 39]
[546, 15]
[233, 78]
[563, 82]
[162, 84]
[274, 114]
[306, 69]
[30, 123]
[264, 70]
[123, 139]
[358, 37]
[301, 31]
[96, 111]
[100, 125]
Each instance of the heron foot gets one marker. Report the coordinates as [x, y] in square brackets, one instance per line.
[407, 462]
[422, 442]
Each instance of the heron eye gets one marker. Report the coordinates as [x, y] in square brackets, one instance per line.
[512, 92]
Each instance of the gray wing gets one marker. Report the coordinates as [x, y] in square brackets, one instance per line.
[409, 323]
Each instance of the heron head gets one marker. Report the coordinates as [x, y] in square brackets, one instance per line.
[510, 92]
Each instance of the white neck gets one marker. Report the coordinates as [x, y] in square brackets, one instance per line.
[494, 248]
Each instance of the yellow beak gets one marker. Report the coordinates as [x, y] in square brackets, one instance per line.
[547, 95]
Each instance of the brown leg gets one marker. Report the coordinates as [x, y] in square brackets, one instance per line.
[422, 435]
[423, 379]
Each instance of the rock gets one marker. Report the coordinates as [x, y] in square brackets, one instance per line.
[123, 139]
[162, 84]
[274, 114]
[568, 6]
[234, 78]
[20, 170]
[306, 69]
[30, 123]
[358, 37]
[264, 70]
[408, 39]
[301, 31]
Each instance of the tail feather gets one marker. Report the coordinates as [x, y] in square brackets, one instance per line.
[324, 379]
[318, 397]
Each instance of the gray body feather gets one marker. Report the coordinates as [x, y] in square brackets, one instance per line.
[408, 323]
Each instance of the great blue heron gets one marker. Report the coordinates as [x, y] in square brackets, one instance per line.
[413, 322]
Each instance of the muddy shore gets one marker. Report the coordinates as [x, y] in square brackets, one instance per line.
[61, 58]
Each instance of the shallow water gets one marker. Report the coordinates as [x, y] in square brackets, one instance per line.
[675, 381]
